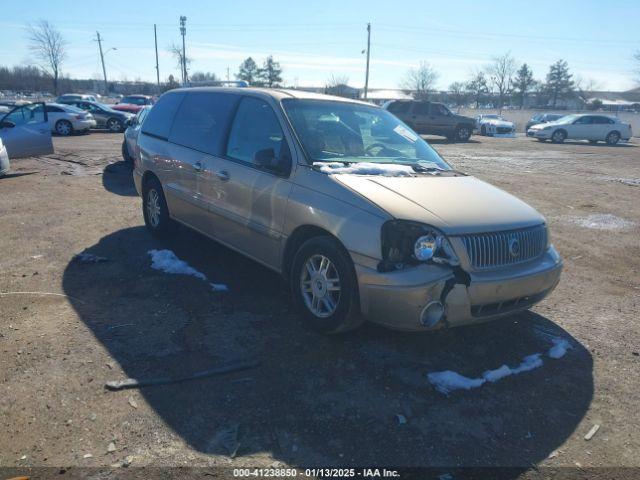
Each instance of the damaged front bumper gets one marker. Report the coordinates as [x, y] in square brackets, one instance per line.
[398, 299]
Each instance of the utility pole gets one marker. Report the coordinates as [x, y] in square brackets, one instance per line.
[183, 32]
[104, 70]
[155, 36]
[366, 78]
[227, 74]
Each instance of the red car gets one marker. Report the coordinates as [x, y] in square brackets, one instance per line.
[133, 103]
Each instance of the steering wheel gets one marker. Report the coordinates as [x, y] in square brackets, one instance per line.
[367, 151]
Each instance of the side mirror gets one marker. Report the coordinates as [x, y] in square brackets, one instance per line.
[7, 124]
[266, 158]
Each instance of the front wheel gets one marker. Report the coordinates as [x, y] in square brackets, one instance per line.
[114, 125]
[463, 133]
[613, 138]
[558, 136]
[324, 286]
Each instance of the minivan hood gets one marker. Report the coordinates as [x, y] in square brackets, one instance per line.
[455, 205]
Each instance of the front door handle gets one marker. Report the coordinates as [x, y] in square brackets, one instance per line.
[223, 175]
[197, 166]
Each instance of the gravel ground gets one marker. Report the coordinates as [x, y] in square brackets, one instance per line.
[358, 399]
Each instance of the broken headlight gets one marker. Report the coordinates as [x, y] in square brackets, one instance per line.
[406, 243]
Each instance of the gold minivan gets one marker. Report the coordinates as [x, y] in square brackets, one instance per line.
[359, 214]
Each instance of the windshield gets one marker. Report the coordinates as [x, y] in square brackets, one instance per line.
[566, 119]
[347, 132]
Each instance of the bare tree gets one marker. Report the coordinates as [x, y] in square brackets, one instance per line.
[48, 47]
[420, 81]
[458, 93]
[501, 72]
[337, 85]
[176, 51]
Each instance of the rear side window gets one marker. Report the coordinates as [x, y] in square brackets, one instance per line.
[202, 121]
[421, 108]
[51, 109]
[255, 128]
[399, 107]
[158, 122]
[603, 120]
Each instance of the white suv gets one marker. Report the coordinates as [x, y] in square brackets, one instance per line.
[582, 127]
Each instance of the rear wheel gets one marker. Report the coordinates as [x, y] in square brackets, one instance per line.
[558, 136]
[64, 128]
[324, 286]
[154, 209]
[613, 138]
[114, 125]
[463, 133]
[125, 152]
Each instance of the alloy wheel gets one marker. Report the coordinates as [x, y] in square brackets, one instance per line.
[320, 286]
[153, 207]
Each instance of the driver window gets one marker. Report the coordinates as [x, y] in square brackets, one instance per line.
[255, 128]
[583, 121]
[439, 110]
[26, 114]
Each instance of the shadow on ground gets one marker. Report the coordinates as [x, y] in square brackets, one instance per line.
[318, 400]
[118, 178]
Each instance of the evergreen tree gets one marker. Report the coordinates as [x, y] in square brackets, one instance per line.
[559, 81]
[524, 82]
[270, 75]
[248, 71]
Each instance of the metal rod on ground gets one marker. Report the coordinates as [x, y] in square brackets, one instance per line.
[135, 383]
[366, 78]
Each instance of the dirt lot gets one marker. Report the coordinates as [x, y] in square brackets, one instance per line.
[312, 400]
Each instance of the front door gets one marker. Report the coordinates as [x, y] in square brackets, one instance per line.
[582, 128]
[25, 131]
[248, 198]
[442, 120]
[420, 118]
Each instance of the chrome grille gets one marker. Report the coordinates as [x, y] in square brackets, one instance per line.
[498, 249]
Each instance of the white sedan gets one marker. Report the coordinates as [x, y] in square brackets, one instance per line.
[495, 126]
[67, 119]
[590, 127]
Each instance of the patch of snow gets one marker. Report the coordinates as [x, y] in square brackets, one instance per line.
[600, 221]
[497, 374]
[219, 287]
[449, 381]
[530, 362]
[559, 349]
[366, 168]
[166, 261]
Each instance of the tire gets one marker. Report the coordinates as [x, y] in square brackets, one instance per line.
[613, 138]
[155, 210]
[558, 136]
[483, 130]
[64, 128]
[463, 133]
[322, 307]
[114, 125]
[125, 153]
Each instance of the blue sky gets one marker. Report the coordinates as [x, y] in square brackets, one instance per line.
[314, 40]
